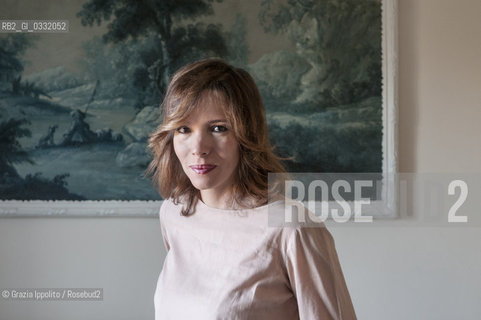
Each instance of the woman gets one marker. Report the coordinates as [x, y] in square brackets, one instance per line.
[211, 160]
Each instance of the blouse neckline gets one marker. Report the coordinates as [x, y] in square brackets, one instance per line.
[202, 205]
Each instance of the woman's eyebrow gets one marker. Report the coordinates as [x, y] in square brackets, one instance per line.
[215, 121]
[186, 121]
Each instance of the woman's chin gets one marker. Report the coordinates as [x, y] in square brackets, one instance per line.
[201, 185]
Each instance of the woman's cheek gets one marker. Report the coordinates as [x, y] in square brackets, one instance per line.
[223, 143]
[179, 147]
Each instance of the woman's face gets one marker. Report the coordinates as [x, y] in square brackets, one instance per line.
[207, 148]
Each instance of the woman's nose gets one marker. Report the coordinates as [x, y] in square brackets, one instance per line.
[201, 144]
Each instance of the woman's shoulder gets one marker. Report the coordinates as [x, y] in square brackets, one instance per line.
[166, 203]
[169, 206]
[293, 223]
[290, 214]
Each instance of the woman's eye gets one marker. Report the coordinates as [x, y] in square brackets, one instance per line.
[183, 130]
[219, 129]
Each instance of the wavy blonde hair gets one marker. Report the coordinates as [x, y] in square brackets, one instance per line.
[244, 110]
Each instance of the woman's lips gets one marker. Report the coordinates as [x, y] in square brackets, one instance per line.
[203, 168]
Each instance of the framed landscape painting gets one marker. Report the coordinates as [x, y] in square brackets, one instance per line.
[77, 107]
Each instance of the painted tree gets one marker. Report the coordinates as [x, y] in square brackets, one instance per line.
[170, 25]
[11, 151]
[237, 42]
[339, 38]
[12, 47]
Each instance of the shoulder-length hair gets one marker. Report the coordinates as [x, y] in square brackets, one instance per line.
[244, 111]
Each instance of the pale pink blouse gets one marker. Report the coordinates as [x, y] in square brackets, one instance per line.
[230, 264]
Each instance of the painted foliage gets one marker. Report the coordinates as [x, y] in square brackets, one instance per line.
[79, 132]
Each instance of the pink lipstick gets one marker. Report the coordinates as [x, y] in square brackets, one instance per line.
[203, 168]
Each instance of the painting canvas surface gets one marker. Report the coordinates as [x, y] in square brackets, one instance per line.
[76, 109]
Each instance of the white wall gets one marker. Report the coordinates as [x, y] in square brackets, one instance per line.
[392, 272]
[440, 76]
[122, 256]
[413, 272]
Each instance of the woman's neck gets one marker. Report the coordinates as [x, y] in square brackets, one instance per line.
[219, 200]
[227, 201]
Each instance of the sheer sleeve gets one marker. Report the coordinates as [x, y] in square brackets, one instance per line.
[316, 277]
